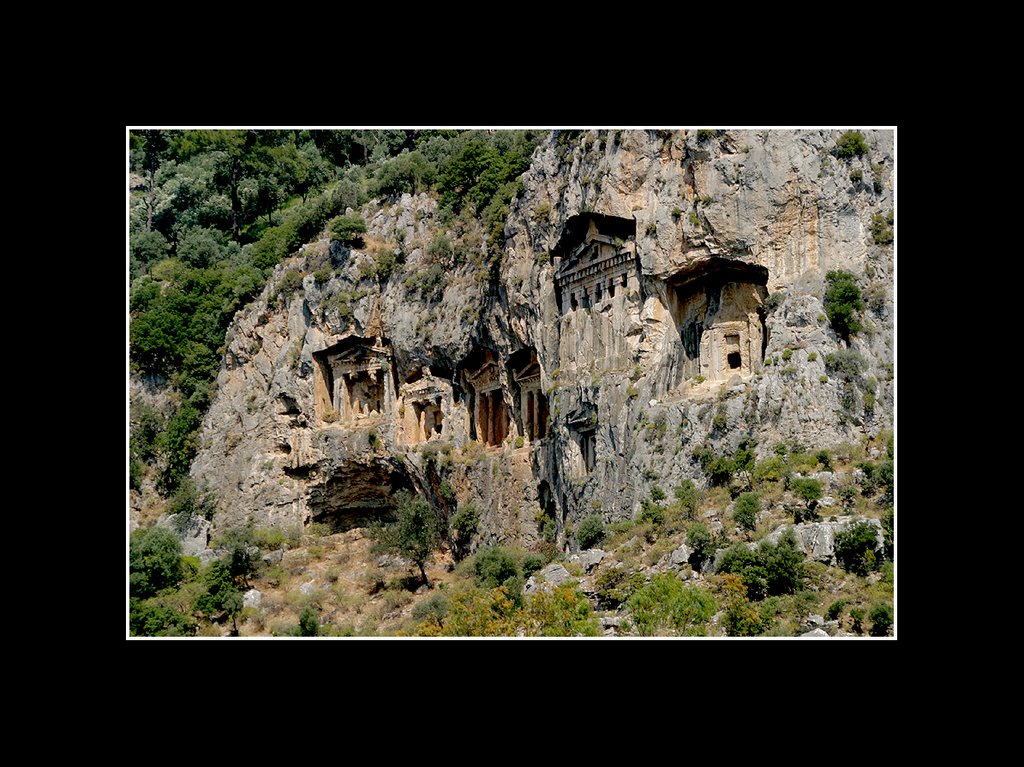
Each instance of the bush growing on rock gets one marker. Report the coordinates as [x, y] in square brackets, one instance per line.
[348, 228]
[687, 498]
[842, 303]
[855, 548]
[851, 144]
[745, 510]
[590, 532]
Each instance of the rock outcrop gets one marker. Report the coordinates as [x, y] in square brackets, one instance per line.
[658, 291]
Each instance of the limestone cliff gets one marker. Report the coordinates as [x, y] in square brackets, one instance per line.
[658, 292]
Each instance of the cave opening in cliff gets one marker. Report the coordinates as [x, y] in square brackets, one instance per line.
[718, 309]
[357, 495]
[532, 414]
[428, 417]
[488, 413]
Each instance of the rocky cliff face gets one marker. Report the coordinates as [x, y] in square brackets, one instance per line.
[659, 294]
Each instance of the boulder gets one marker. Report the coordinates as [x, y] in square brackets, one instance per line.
[252, 598]
[547, 578]
[815, 633]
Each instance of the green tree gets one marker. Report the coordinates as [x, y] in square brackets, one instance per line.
[348, 228]
[154, 561]
[241, 552]
[807, 489]
[701, 541]
[771, 569]
[415, 533]
[746, 509]
[463, 527]
[855, 548]
[687, 497]
[842, 303]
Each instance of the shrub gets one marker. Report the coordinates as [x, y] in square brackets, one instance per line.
[590, 532]
[835, 610]
[857, 617]
[687, 497]
[721, 419]
[241, 551]
[881, 619]
[770, 569]
[348, 228]
[745, 510]
[615, 586]
[463, 526]
[881, 228]
[657, 494]
[666, 604]
[740, 618]
[787, 355]
[700, 539]
[651, 513]
[309, 622]
[494, 566]
[519, 442]
[154, 561]
[447, 492]
[806, 489]
[532, 563]
[564, 611]
[855, 548]
[845, 363]
[720, 470]
[434, 608]
[189, 504]
[889, 533]
[842, 302]
[856, 175]
[850, 144]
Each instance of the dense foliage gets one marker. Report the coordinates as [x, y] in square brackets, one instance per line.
[843, 302]
[770, 569]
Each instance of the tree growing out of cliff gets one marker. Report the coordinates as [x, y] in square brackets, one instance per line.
[415, 533]
[842, 302]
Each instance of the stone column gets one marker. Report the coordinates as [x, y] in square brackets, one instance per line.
[485, 417]
[537, 415]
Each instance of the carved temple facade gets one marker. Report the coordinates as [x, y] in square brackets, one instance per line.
[594, 259]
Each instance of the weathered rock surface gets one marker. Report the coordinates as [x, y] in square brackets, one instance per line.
[815, 633]
[818, 538]
[548, 578]
[334, 397]
[588, 559]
